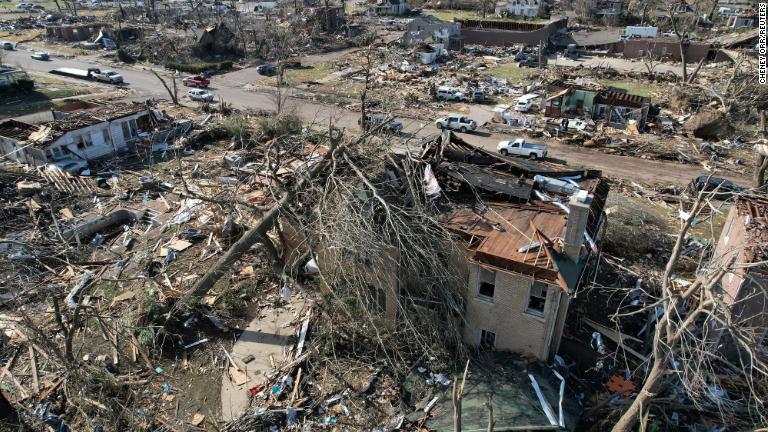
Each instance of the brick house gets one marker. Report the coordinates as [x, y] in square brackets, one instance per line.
[742, 244]
[526, 254]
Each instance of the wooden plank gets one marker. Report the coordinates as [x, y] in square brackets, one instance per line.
[33, 367]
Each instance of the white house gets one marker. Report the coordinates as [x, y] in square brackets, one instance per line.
[524, 8]
[389, 7]
[81, 136]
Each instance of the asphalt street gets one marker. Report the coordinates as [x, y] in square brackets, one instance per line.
[230, 88]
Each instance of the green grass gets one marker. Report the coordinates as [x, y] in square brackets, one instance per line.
[640, 89]
[41, 98]
[313, 73]
[449, 15]
[510, 71]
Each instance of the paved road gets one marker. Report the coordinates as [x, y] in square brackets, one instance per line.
[229, 88]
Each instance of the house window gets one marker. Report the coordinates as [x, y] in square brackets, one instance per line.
[486, 283]
[49, 154]
[57, 151]
[126, 130]
[105, 135]
[487, 340]
[84, 141]
[537, 298]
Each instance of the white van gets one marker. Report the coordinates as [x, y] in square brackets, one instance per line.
[525, 102]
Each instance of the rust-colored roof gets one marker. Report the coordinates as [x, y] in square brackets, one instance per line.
[496, 235]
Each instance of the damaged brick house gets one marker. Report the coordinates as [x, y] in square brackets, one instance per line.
[82, 136]
[742, 247]
[522, 256]
[615, 107]
[527, 250]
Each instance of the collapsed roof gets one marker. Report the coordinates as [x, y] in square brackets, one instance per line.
[45, 133]
[522, 220]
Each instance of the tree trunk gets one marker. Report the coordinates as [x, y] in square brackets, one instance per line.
[638, 406]
[256, 233]
[682, 59]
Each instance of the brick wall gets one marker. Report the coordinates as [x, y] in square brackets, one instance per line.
[500, 37]
[694, 52]
[516, 330]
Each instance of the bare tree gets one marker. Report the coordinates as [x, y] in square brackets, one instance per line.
[683, 24]
[368, 55]
[280, 42]
[173, 93]
[687, 349]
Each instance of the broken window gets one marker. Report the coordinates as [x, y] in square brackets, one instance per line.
[126, 131]
[105, 135]
[486, 283]
[487, 340]
[537, 298]
[57, 151]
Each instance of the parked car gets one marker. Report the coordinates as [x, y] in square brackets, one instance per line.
[200, 95]
[266, 69]
[107, 75]
[198, 81]
[456, 122]
[372, 120]
[24, 6]
[725, 188]
[43, 56]
[450, 94]
[520, 147]
[8, 45]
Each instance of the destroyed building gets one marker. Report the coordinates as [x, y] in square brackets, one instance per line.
[525, 249]
[216, 40]
[82, 136]
[75, 32]
[427, 28]
[614, 106]
[742, 247]
[504, 33]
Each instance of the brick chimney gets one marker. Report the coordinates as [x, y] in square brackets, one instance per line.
[577, 224]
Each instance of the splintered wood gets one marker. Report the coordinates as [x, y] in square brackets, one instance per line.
[65, 182]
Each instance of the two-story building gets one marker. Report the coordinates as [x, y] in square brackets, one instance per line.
[389, 8]
[84, 135]
[527, 250]
[519, 8]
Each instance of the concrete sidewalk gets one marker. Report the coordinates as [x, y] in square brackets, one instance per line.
[268, 335]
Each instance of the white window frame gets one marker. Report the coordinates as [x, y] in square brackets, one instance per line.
[533, 312]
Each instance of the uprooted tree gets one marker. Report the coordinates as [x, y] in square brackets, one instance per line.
[693, 326]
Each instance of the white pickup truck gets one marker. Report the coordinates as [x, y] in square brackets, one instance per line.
[456, 122]
[522, 148]
[108, 76]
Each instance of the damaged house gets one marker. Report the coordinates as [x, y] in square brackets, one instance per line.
[81, 136]
[216, 40]
[427, 28]
[742, 246]
[615, 107]
[526, 249]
